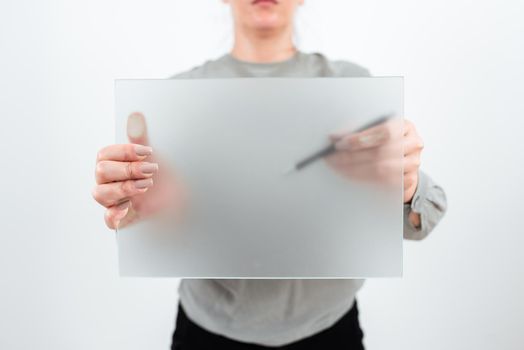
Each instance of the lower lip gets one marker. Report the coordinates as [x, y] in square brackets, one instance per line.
[264, 2]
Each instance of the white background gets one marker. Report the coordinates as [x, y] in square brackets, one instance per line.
[462, 61]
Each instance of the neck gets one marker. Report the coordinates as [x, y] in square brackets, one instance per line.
[264, 46]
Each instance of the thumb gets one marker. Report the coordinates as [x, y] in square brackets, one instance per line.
[137, 129]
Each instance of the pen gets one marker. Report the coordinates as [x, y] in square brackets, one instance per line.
[331, 148]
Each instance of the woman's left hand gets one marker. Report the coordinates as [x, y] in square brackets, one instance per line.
[373, 154]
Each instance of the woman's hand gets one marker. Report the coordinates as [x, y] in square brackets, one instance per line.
[373, 155]
[130, 183]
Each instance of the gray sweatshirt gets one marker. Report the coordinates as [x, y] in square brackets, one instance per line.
[277, 312]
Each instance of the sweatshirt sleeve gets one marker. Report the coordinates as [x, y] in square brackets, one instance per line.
[430, 202]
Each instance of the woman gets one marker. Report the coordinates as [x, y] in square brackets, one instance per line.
[255, 314]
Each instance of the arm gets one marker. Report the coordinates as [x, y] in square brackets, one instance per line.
[424, 201]
[429, 202]
[372, 155]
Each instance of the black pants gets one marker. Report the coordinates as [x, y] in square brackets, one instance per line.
[344, 334]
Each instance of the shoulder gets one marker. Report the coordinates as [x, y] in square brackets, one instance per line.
[340, 68]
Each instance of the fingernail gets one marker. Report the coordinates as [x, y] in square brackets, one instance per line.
[123, 206]
[136, 126]
[142, 150]
[144, 183]
[148, 168]
[122, 213]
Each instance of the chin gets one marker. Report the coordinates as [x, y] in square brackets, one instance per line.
[266, 21]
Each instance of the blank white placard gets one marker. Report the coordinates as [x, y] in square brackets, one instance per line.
[231, 141]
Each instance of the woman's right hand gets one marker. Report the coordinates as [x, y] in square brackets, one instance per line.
[130, 183]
